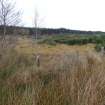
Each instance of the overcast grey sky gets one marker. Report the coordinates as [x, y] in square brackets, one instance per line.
[72, 14]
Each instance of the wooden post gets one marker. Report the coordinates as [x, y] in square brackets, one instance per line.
[38, 60]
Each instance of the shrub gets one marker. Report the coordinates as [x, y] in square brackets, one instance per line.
[98, 47]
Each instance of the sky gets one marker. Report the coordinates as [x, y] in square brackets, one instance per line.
[71, 14]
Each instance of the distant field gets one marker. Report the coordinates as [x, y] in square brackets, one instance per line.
[61, 43]
[97, 40]
[29, 47]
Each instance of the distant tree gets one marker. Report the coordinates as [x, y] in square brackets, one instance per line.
[9, 15]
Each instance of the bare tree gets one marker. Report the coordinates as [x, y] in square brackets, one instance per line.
[36, 24]
[9, 15]
[36, 34]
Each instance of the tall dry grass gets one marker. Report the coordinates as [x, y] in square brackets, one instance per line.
[65, 79]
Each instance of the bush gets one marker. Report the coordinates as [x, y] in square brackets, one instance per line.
[98, 47]
[74, 40]
[48, 41]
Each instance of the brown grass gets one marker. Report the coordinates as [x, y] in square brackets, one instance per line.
[27, 46]
[66, 78]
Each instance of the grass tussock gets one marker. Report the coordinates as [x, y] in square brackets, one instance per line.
[63, 79]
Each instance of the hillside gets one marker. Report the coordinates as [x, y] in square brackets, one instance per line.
[47, 31]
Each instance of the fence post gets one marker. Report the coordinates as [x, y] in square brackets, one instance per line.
[38, 60]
